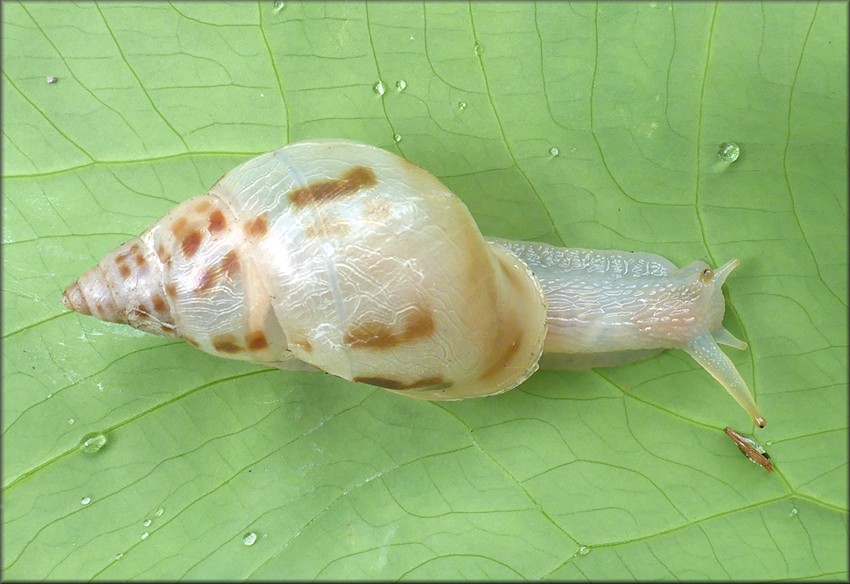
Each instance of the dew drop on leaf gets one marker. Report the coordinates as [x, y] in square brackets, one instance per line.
[119, 556]
[554, 151]
[379, 88]
[401, 85]
[51, 79]
[159, 512]
[728, 152]
[146, 523]
[249, 538]
[85, 500]
[461, 105]
[397, 137]
[278, 5]
[71, 420]
[145, 535]
[92, 442]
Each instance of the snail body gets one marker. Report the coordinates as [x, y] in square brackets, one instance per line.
[343, 257]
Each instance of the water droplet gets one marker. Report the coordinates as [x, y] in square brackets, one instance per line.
[119, 556]
[85, 500]
[159, 512]
[461, 105]
[49, 395]
[146, 523]
[145, 535]
[583, 550]
[793, 512]
[397, 137]
[51, 79]
[93, 442]
[554, 151]
[278, 5]
[379, 88]
[574, 149]
[728, 152]
[71, 420]
[769, 443]
[478, 49]
[249, 538]
[401, 84]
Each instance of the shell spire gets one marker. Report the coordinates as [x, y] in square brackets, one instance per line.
[124, 287]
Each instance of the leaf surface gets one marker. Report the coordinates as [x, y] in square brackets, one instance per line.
[584, 125]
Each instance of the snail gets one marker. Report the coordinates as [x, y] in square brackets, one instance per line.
[343, 257]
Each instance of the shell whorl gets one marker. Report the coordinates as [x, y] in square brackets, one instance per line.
[343, 256]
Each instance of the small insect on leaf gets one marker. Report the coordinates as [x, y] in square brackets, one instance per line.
[751, 449]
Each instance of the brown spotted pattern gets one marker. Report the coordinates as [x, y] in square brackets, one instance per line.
[335, 228]
[190, 238]
[159, 304]
[191, 243]
[418, 324]
[217, 222]
[256, 340]
[162, 254]
[226, 344]
[257, 227]
[388, 383]
[227, 268]
[354, 179]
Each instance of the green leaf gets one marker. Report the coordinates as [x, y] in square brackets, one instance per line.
[592, 125]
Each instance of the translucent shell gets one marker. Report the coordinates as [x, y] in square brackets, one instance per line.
[335, 255]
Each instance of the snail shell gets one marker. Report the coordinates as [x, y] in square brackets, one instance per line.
[338, 255]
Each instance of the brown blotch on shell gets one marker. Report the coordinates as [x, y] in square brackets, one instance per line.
[191, 243]
[203, 206]
[354, 179]
[162, 254]
[378, 335]
[335, 228]
[171, 290]
[256, 340]
[179, 226]
[124, 270]
[208, 278]
[257, 227]
[230, 263]
[140, 260]
[192, 342]
[159, 304]
[400, 385]
[226, 344]
[217, 222]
